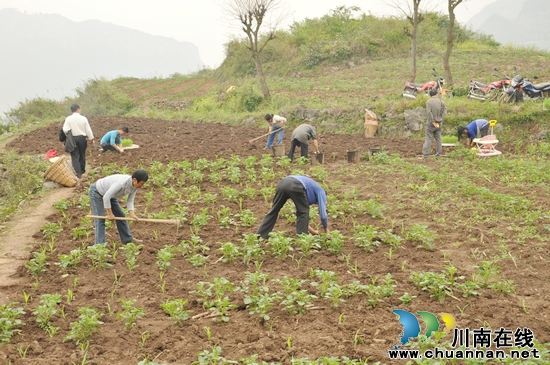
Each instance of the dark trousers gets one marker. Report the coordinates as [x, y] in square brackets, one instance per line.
[484, 131]
[287, 188]
[303, 149]
[78, 156]
[108, 147]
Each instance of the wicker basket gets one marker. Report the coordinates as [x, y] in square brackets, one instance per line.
[61, 173]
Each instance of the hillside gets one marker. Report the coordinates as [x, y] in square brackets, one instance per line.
[314, 76]
[50, 55]
[520, 22]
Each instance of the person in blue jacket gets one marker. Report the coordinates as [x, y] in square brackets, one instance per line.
[478, 126]
[112, 141]
[303, 191]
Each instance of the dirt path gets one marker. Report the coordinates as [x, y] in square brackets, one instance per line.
[16, 239]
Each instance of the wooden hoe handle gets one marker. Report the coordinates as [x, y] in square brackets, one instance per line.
[169, 221]
[267, 134]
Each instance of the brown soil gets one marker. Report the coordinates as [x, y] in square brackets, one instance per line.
[354, 329]
[17, 239]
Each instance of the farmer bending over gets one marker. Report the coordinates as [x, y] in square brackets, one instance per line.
[112, 141]
[300, 137]
[275, 122]
[303, 191]
[104, 195]
[478, 126]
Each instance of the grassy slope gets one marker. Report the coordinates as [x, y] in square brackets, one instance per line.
[346, 90]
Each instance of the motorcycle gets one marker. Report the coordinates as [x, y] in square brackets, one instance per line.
[488, 92]
[521, 86]
[536, 91]
[514, 93]
[411, 90]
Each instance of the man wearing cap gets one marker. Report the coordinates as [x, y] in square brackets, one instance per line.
[436, 112]
[112, 141]
[276, 122]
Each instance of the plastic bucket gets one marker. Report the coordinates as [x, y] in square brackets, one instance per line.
[278, 150]
[353, 156]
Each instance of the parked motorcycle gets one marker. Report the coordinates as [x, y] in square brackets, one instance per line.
[521, 86]
[411, 90]
[536, 91]
[514, 93]
[488, 92]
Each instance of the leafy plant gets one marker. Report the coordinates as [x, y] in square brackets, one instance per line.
[130, 313]
[164, 255]
[229, 250]
[246, 218]
[99, 255]
[279, 245]
[88, 324]
[9, 320]
[419, 233]
[485, 272]
[308, 243]
[365, 237]
[37, 265]
[252, 248]
[50, 230]
[333, 241]
[131, 251]
[436, 284]
[46, 310]
[175, 309]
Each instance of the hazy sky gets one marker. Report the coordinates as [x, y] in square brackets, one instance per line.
[201, 22]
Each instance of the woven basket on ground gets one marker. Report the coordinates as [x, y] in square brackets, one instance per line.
[61, 173]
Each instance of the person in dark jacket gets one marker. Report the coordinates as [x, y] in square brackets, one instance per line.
[436, 112]
[301, 137]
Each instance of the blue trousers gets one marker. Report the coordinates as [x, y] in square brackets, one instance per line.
[96, 200]
[271, 137]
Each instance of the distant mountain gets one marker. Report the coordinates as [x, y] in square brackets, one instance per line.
[49, 56]
[523, 22]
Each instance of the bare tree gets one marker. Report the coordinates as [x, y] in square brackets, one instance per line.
[252, 16]
[412, 10]
[451, 5]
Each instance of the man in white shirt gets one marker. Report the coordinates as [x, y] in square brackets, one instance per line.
[275, 122]
[81, 131]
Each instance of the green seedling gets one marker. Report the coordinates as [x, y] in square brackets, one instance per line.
[208, 333]
[99, 255]
[9, 321]
[144, 336]
[175, 309]
[88, 324]
[164, 256]
[70, 295]
[26, 297]
[22, 351]
[406, 298]
[279, 245]
[130, 314]
[229, 250]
